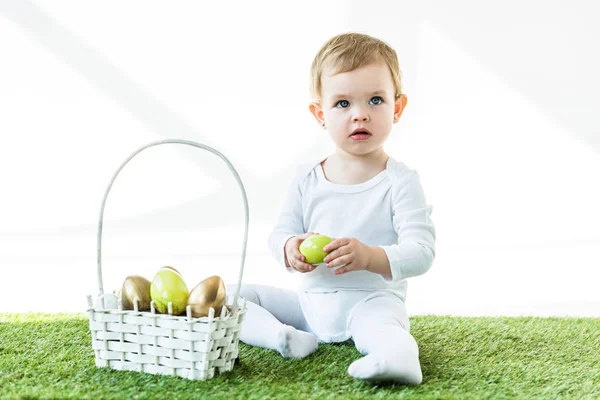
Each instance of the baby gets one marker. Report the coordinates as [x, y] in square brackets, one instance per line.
[374, 208]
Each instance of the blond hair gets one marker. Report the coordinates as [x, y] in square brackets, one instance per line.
[349, 51]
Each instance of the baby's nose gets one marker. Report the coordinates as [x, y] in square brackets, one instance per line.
[360, 117]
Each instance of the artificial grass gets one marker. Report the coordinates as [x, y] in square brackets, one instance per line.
[50, 356]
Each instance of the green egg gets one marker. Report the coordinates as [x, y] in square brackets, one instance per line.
[168, 286]
[312, 248]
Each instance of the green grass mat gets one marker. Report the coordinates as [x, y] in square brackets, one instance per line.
[50, 356]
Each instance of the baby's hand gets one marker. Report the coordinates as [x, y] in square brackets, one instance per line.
[349, 252]
[293, 258]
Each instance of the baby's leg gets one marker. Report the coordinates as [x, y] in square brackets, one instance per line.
[274, 320]
[379, 329]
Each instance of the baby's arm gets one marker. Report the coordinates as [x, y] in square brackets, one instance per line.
[415, 251]
[289, 223]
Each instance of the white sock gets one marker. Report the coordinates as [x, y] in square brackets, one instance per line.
[402, 367]
[392, 354]
[260, 328]
[292, 343]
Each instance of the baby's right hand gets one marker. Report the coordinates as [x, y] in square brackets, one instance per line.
[293, 258]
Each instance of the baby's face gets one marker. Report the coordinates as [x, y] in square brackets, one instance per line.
[359, 99]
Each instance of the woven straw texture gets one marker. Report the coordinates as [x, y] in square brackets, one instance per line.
[193, 348]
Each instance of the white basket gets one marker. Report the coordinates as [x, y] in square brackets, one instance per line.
[184, 346]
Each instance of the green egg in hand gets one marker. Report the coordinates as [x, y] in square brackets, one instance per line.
[312, 248]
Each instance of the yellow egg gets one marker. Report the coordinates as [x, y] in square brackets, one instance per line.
[208, 293]
[136, 287]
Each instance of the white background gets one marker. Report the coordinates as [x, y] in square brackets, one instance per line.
[501, 124]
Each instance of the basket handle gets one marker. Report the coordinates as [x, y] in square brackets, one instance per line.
[194, 144]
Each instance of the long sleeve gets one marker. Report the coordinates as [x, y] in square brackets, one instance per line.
[415, 251]
[289, 223]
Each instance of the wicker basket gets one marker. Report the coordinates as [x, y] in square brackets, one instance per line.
[184, 346]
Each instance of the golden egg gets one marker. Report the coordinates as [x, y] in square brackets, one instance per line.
[208, 293]
[136, 287]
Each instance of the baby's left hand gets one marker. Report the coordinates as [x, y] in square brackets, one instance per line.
[349, 251]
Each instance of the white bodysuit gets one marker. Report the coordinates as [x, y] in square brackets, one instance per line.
[389, 210]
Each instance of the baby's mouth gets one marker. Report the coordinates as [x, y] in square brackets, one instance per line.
[360, 134]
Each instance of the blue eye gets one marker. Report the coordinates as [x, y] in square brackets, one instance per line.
[376, 100]
[343, 104]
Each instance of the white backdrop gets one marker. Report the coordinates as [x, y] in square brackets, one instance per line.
[501, 125]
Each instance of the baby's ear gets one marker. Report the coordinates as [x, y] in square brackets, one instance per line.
[317, 111]
[399, 105]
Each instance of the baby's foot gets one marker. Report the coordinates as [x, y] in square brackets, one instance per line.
[293, 343]
[406, 370]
